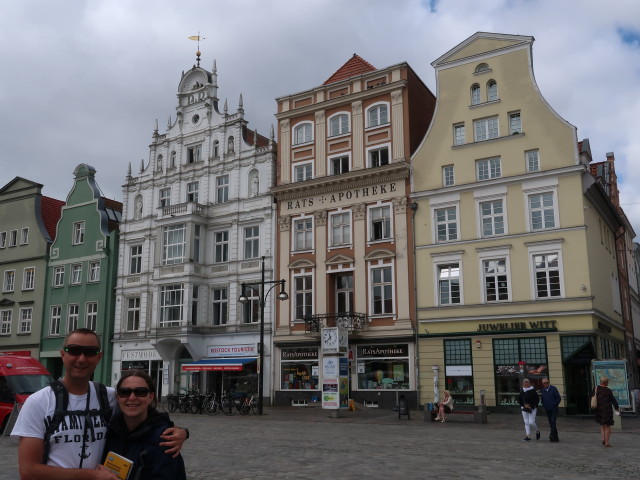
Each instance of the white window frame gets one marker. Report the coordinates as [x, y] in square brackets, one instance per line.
[221, 246]
[341, 163]
[29, 278]
[448, 176]
[340, 120]
[78, 232]
[492, 218]
[373, 267]
[446, 222]
[76, 274]
[91, 315]
[373, 218]
[6, 320]
[3, 239]
[173, 249]
[13, 238]
[9, 281]
[251, 309]
[492, 91]
[532, 160]
[164, 197]
[135, 259]
[73, 316]
[343, 229]
[546, 248]
[488, 169]
[220, 305]
[58, 276]
[459, 137]
[172, 301]
[302, 133]
[192, 191]
[378, 115]
[542, 210]
[441, 261]
[375, 152]
[515, 123]
[251, 244]
[222, 188]
[494, 255]
[303, 295]
[133, 316]
[302, 238]
[55, 320]
[94, 271]
[194, 154]
[24, 236]
[216, 149]
[306, 168]
[475, 94]
[486, 129]
[26, 320]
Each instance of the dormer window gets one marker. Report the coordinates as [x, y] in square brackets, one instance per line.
[492, 91]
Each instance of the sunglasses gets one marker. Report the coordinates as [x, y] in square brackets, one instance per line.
[77, 350]
[124, 392]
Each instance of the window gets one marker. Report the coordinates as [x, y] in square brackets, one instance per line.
[303, 234]
[492, 218]
[378, 115]
[302, 172]
[541, 211]
[449, 284]
[165, 197]
[173, 241]
[216, 149]
[192, 191]
[340, 228]
[13, 238]
[220, 306]
[547, 275]
[222, 189]
[338, 165]
[133, 314]
[448, 179]
[515, 124]
[252, 242]
[195, 250]
[9, 283]
[3, 239]
[299, 368]
[221, 247]
[78, 233]
[171, 305]
[28, 278]
[459, 381]
[381, 291]
[446, 223]
[26, 319]
[339, 124]
[383, 366]
[475, 94]
[91, 319]
[482, 68]
[58, 276]
[73, 313]
[496, 280]
[135, 259]
[24, 236]
[486, 129]
[193, 153]
[55, 319]
[251, 309]
[94, 271]
[492, 91]
[533, 162]
[378, 157]
[76, 273]
[303, 133]
[507, 354]
[5, 322]
[194, 304]
[172, 159]
[488, 168]
[303, 296]
[458, 135]
[380, 223]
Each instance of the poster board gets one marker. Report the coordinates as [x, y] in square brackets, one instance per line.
[616, 372]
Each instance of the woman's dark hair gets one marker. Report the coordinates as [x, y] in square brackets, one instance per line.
[148, 380]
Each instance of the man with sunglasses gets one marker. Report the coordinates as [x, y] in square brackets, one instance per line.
[76, 447]
[550, 401]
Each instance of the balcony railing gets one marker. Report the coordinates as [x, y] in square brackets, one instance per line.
[188, 208]
[352, 321]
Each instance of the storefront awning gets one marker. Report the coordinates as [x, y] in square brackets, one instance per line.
[218, 364]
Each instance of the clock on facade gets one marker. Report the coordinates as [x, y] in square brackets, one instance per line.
[330, 338]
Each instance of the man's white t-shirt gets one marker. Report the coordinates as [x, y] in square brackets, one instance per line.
[66, 442]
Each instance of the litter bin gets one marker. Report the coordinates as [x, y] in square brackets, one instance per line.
[403, 407]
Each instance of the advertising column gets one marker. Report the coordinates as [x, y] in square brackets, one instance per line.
[335, 366]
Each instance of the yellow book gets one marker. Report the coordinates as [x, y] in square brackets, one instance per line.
[119, 465]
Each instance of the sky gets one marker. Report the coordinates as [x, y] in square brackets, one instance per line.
[83, 81]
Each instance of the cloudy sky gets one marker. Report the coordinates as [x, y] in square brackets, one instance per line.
[84, 80]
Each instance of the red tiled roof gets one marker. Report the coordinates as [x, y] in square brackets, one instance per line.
[355, 66]
[51, 210]
[249, 137]
[112, 204]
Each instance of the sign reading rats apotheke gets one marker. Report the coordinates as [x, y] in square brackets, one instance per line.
[537, 325]
[368, 193]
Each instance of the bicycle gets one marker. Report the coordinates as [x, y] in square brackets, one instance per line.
[211, 404]
[249, 404]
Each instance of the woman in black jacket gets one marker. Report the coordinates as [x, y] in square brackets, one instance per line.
[605, 408]
[528, 401]
[134, 431]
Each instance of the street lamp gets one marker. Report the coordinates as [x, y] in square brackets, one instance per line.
[259, 288]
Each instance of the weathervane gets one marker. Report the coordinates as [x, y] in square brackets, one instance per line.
[197, 38]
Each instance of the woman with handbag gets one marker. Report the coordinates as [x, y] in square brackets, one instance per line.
[528, 401]
[604, 409]
[446, 406]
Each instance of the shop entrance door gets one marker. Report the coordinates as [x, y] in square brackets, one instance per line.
[155, 370]
[577, 374]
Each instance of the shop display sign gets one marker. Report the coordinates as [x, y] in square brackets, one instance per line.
[616, 372]
[459, 371]
[239, 350]
[330, 394]
[140, 355]
[330, 367]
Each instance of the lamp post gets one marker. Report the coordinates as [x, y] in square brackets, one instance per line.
[262, 296]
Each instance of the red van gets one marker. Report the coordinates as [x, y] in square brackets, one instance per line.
[19, 377]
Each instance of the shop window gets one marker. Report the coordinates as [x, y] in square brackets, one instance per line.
[299, 369]
[459, 370]
[383, 367]
[509, 357]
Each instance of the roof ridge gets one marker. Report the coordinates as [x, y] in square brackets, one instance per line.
[355, 66]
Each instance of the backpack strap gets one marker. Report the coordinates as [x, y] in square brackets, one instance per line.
[62, 402]
[103, 398]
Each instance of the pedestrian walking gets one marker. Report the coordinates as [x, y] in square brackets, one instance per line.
[606, 402]
[528, 401]
[550, 401]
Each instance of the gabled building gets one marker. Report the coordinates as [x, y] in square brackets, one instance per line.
[344, 241]
[82, 268]
[27, 229]
[198, 220]
[516, 262]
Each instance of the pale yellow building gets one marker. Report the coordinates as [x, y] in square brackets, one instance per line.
[515, 261]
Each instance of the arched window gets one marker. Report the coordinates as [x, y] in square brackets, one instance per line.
[172, 163]
[216, 149]
[483, 67]
[492, 91]
[338, 124]
[230, 145]
[303, 133]
[475, 94]
[378, 115]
